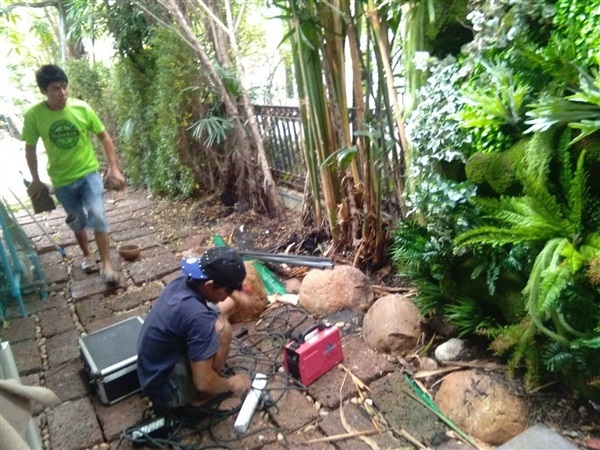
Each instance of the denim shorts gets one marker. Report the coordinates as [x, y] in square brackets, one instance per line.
[182, 387]
[83, 201]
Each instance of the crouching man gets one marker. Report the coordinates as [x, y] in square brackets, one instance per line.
[184, 342]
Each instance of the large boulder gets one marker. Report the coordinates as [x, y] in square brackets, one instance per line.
[255, 289]
[392, 325]
[482, 406]
[326, 291]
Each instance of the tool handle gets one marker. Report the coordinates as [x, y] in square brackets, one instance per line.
[317, 326]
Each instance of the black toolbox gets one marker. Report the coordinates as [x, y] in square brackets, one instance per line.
[110, 359]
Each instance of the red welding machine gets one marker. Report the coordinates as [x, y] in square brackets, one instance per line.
[313, 353]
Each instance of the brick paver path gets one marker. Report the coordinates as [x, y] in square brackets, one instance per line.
[45, 348]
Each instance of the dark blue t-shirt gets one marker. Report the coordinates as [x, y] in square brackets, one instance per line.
[180, 325]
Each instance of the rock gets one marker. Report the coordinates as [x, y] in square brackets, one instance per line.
[429, 364]
[450, 350]
[482, 407]
[255, 289]
[327, 291]
[392, 325]
[292, 285]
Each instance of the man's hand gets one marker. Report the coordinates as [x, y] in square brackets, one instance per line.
[239, 383]
[35, 189]
[116, 174]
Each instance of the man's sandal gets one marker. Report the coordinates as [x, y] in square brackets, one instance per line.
[110, 277]
[89, 266]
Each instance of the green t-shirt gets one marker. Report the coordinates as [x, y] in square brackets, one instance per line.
[66, 136]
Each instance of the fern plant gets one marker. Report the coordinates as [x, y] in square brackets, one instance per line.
[561, 304]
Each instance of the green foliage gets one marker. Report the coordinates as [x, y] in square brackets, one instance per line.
[155, 110]
[494, 106]
[578, 21]
[91, 82]
[580, 111]
[554, 222]
[437, 139]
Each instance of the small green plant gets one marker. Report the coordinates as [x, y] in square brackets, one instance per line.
[580, 111]
[494, 107]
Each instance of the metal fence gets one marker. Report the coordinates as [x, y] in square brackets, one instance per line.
[281, 130]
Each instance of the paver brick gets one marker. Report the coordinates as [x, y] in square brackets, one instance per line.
[120, 416]
[17, 330]
[361, 360]
[135, 297]
[170, 277]
[299, 440]
[293, 410]
[56, 321]
[53, 301]
[153, 268]
[33, 380]
[224, 433]
[31, 230]
[93, 309]
[57, 273]
[62, 348]
[88, 287]
[47, 260]
[27, 357]
[130, 205]
[73, 426]
[129, 224]
[43, 245]
[107, 321]
[403, 412]
[359, 419]
[127, 235]
[147, 242]
[68, 381]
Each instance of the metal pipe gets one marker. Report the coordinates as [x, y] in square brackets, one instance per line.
[296, 260]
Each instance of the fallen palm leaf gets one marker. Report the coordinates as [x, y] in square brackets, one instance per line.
[478, 364]
[341, 437]
[345, 423]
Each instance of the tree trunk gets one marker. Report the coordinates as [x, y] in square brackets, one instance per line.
[249, 172]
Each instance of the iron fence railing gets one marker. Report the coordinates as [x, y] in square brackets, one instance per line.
[281, 130]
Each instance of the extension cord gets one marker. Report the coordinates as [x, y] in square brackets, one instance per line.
[250, 403]
[155, 428]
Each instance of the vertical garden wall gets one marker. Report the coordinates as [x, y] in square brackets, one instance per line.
[503, 238]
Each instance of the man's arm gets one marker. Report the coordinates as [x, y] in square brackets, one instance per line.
[36, 187]
[111, 156]
[207, 380]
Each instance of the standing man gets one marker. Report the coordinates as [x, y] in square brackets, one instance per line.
[65, 125]
[185, 339]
